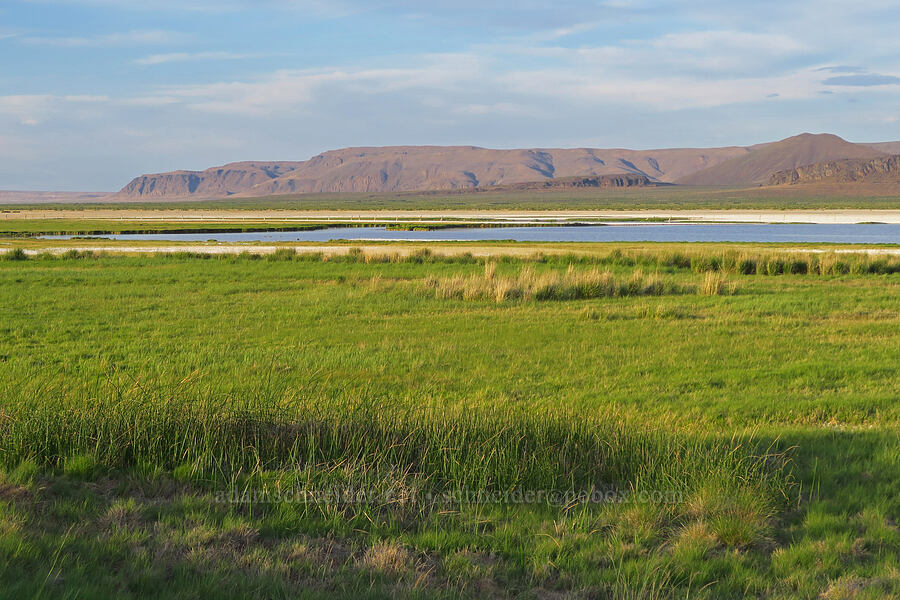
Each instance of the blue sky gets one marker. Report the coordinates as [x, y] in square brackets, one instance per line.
[94, 92]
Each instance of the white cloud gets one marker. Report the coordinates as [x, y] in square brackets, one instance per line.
[27, 109]
[563, 32]
[150, 101]
[34, 109]
[159, 59]
[129, 38]
[87, 99]
[288, 89]
[670, 72]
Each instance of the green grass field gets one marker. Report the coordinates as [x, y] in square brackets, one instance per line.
[659, 422]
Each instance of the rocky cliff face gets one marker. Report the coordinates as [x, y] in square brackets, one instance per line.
[565, 183]
[878, 170]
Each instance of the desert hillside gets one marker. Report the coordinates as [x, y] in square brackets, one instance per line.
[211, 183]
[885, 169]
[761, 161]
[432, 168]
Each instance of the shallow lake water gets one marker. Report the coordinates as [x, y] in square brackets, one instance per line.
[693, 232]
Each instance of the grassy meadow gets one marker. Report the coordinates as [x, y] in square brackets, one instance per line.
[640, 422]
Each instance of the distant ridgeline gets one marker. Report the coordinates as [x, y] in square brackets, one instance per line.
[469, 168]
[877, 170]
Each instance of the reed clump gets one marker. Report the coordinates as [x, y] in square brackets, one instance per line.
[571, 284]
[716, 284]
[765, 263]
[14, 254]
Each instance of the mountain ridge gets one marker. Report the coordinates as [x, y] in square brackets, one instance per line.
[445, 168]
[763, 160]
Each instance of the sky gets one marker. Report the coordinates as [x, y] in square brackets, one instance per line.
[95, 92]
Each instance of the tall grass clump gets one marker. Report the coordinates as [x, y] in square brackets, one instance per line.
[706, 263]
[14, 254]
[282, 254]
[798, 266]
[774, 266]
[747, 266]
[676, 260]
[716, 284]
[187, 255]
[764, 263]
[314, 257]
[571, 284]
[883, 266]
[78, 254]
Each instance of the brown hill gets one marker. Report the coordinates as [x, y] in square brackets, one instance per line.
[758, 165]
[211, 183]
[406, 168]
[409, 168]
[885, 169]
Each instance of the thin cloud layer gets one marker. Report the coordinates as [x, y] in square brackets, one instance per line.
[170, 57]
[128, 38]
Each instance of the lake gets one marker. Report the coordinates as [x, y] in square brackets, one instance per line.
[693, 232]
